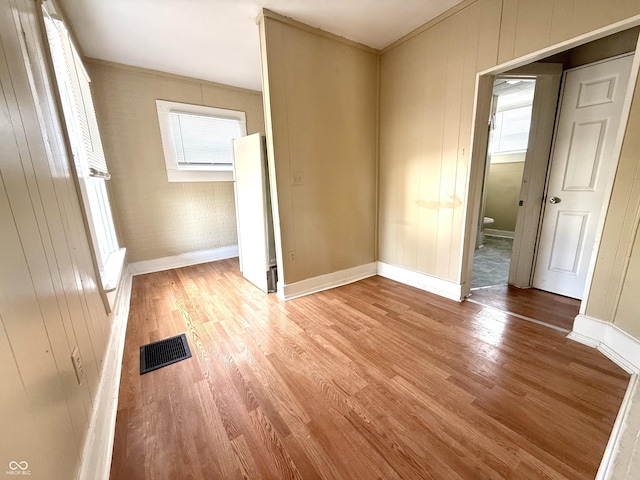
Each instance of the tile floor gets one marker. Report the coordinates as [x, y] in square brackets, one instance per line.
[491, 262]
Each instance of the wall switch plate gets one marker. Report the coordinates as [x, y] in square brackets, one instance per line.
[292, 256]
[76, 359]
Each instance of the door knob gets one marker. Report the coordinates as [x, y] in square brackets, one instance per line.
[555, 200]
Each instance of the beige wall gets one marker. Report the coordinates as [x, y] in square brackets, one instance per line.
[628, 313]
[502, 194]
[529, 26]
[156, 218]
[48, 297]
[426, 101]
[321, 104]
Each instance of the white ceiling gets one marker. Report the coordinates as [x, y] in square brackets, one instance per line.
[218, 40]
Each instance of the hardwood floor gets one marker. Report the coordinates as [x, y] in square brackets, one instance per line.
[373, 380]
[543, 306]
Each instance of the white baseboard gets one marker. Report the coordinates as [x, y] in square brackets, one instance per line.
[183, 260]
[619, 346]
[499, 233]
[623, 435]
[98, 446]
[439, 286]
[325, 282]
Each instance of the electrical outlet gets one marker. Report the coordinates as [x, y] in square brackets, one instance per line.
[292, 256]
[76, 359]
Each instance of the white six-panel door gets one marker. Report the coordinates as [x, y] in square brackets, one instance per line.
[581, 162]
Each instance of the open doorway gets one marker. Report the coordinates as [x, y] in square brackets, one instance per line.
[533, 193]
[512, 105]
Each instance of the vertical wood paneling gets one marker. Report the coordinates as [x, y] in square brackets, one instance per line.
[533, 26]
[529, 26]
[627, 312]
[321, 107]
[426, 104]
[562, 10]
[49, 301]
[508, 22]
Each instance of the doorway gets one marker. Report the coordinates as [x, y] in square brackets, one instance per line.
[533, 194]
[510, 122]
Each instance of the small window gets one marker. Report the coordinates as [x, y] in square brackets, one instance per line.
[198, 141]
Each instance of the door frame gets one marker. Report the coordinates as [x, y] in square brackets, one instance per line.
[479, 140]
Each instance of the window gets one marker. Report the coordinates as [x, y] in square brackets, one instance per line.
[90, 165]
[512, 130]
[513, 115]
[198, 141]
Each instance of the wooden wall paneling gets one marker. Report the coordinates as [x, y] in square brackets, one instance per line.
[322, 101]
[78, 290]
[590, 15]
[455, 32]
[390, 175]
[56, 295]
[533, 26]
[529, 26]
[560, 24]
[19, 429]
[508, 22]
[488, 40]
[28, 326]
[412, 151]
[74, 273]
[278, 142]
[25, 195]
[434, 93]
[50, 302]
[474, 51]
[626, 315]
[433, 83]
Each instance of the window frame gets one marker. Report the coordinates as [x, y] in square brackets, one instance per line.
[194, 172]
[93, 195]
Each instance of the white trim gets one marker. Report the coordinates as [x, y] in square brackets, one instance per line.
[194, 173]
[428, 283]
[113, 270]
[98, 446]
[183, 260]
[326, 281]
[492, 232]
[619, 430]
[616, 344]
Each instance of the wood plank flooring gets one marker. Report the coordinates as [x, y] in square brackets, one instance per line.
[543, 306]
[373, 380]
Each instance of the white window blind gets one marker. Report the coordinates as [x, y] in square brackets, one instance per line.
[204, 140]
[73, 78]
[82, 132]
[197, 141]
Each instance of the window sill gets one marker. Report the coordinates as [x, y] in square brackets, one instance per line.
[113, 270]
